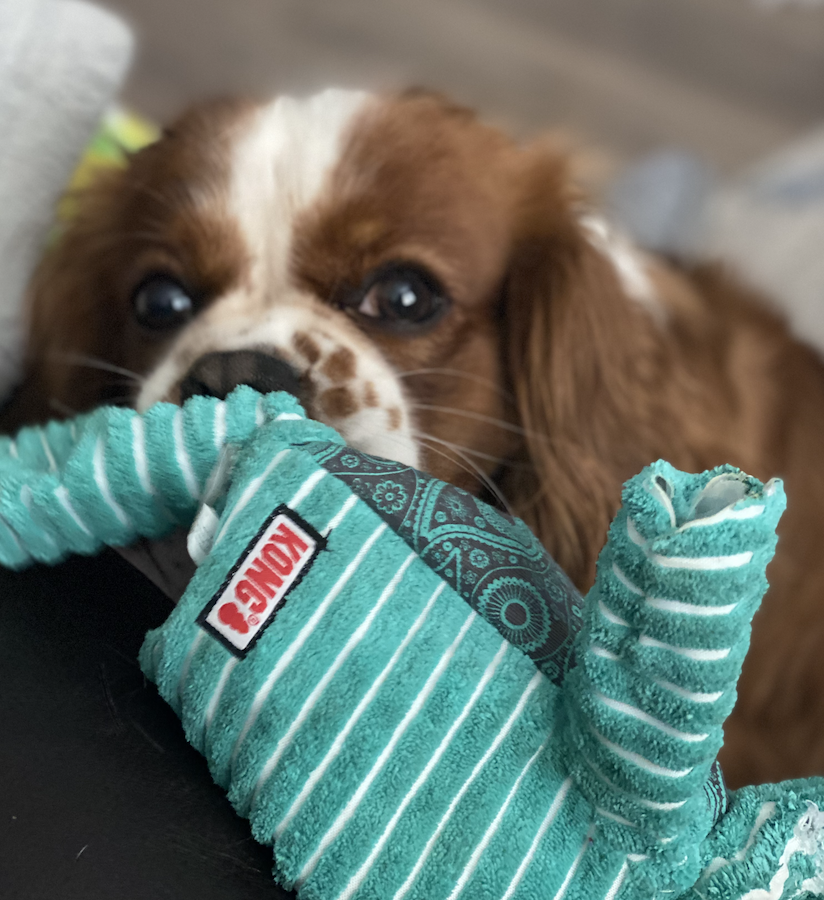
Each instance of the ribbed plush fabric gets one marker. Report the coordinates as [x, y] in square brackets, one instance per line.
[404, 726]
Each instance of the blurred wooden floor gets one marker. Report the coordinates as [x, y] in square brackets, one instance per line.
[726, 78]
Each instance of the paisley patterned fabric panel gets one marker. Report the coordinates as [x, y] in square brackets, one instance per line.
[491, 559]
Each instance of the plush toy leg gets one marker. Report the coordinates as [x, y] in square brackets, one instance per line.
[667, 630]
[116, 475]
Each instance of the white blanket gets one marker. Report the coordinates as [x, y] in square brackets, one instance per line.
[61, 62]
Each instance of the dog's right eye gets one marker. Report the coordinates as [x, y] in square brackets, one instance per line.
[161, 303]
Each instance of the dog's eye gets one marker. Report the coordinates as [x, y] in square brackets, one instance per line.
[402, 298]
[161, 303]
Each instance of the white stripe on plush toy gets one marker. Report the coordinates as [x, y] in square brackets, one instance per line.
[697, 654]
[249, 491]
[292, 650]
[337, 745]
[18, 543]
[47, 450]
[102, 482]
[640, 761]
[689, 609]
[635, 713]
[610, 616]
[182, 456]
[219, 425]
[306, 488]
[694, 696]
[25, 499]
[360, 876]
[309, 704]
[616, 886]
[625, 581]
[536, 679]
[643, 801]
[574, 867]
[674, 606]
[354, 801]
[490, 832]
[696, 563]
[141, 461]
[339, 516]
[211, 709]
[64, 499]
[549, 818]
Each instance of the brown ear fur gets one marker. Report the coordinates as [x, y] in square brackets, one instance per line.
[583, 361]
[66, 322]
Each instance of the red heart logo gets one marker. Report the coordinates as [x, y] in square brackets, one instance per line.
[231, 615]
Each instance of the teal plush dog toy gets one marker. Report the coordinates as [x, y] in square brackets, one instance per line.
[402, 691]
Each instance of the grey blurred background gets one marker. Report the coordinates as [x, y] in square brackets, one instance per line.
[728, 79]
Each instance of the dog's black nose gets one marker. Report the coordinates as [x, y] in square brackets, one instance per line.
[217, 374]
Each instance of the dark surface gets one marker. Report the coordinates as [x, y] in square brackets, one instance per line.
[100, 795]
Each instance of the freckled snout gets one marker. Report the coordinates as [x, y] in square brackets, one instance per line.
[217, 374]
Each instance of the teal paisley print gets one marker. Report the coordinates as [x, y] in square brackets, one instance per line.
[492, 560]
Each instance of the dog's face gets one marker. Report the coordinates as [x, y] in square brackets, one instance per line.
[400, 266]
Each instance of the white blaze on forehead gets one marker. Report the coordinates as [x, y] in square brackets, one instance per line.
[279, 167]
[627, 261]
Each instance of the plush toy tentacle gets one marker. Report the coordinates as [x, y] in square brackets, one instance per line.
[667, 630]
[116, 475]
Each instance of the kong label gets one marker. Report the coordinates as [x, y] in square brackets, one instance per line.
[256, 587]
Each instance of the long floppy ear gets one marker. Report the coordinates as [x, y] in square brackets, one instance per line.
[582, 359]
[66, 323]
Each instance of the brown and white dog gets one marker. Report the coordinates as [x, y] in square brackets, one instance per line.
[444, 297]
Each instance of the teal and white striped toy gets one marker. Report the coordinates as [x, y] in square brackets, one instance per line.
[402, 691]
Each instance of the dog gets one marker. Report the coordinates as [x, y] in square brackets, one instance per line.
[446, 297]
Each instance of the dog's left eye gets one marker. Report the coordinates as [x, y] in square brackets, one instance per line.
[161, 303]
[402, 298]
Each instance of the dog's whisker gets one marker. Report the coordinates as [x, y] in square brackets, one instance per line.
[475, 469]
[62, 409]
[456, 373]
[499, 460]
[92, 362]
[480, 417]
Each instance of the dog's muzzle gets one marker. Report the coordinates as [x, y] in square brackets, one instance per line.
[217, 374]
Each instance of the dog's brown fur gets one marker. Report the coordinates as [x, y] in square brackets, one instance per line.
[586, 386]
